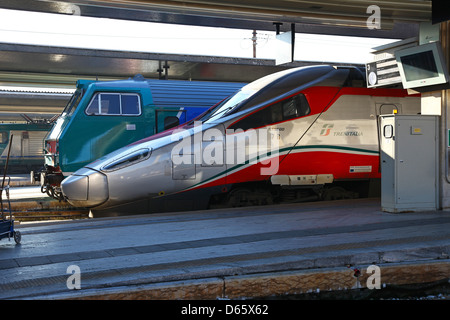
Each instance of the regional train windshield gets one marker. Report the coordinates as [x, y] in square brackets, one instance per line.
[73, 102]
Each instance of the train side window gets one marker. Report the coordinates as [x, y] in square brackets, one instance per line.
[109, 104]
[130, 104]
[295, 107]
[114, 104]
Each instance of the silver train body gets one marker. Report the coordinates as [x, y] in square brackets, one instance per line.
[294, 134]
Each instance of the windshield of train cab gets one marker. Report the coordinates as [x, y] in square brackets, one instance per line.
[227, 105]
[73, 102]
[240, 97]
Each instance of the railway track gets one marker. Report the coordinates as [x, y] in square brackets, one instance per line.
[27, 216]
[40, 209]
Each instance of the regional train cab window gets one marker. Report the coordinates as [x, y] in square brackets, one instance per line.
[127, 104]
[291, 108]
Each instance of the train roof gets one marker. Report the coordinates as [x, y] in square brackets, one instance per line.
[191, 93]
[287, 82]
[173, 92]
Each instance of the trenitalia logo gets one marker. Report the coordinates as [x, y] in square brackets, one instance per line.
[326, 129]
[211, 147]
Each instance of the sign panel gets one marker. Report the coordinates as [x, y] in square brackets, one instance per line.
[284, 48]
[383, 72]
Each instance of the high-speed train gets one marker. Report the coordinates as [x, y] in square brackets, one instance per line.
[103, 116]
[303, 133]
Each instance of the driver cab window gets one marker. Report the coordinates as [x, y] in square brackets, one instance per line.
[295, 107]
[291, 108]
[114, 104]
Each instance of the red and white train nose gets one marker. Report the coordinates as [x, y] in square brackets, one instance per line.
[87, 188]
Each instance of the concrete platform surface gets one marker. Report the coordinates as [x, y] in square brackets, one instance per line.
[227, 253]
[26, 193]
[19, 180]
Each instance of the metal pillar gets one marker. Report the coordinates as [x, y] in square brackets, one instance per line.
[445, 124]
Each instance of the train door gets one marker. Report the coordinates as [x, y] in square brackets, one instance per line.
[385, 109]
[198, 160]
[200, 156]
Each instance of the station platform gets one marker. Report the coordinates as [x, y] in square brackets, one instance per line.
[19, 180]
[236, 253]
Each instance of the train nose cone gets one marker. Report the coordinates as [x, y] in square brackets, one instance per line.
[85, 188]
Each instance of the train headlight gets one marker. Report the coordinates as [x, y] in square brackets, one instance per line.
[85, 188]
[129, 159]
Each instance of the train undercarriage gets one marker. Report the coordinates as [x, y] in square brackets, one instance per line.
[264, 193]
[50, 179]
[244, 195]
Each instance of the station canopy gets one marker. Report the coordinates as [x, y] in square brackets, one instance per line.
[344, 17]
[60, 67]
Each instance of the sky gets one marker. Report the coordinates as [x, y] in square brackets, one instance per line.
[25, 27]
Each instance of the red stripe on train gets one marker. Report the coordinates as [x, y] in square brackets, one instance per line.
[341, 165]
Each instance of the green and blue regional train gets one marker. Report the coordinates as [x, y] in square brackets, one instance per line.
[103, 116]
[27, 145]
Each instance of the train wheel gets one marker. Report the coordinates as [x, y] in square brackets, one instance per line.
[243, 197]
[239, 197]
[338, 193]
